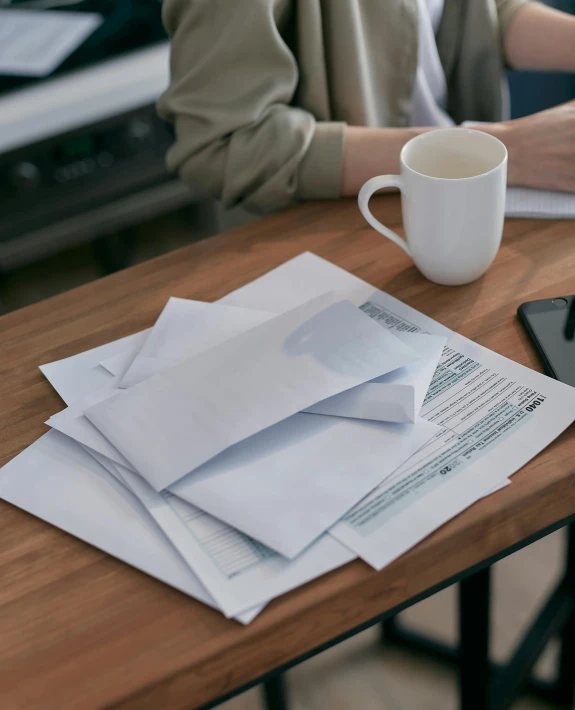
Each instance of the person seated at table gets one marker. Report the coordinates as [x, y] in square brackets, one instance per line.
[278, 101]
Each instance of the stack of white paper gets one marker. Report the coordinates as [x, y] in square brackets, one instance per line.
[238, 450]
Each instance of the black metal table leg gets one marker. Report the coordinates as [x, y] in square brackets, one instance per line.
[474, 666]
[3, 308]
[484, 685]
[388, 629]
[565, 684]
[275, 694]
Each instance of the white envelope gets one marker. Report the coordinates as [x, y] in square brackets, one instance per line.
[184, 329]
[174, 422]
[57, 481]
[239, 573]
[396, 396]
[288, 484]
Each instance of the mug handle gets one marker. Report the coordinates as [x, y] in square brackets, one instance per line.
[363, 197]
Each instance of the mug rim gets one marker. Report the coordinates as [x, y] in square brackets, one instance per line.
[423, 136]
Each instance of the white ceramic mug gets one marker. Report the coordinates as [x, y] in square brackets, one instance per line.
[452, 184]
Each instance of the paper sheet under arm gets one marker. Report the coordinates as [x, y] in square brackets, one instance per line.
[539, 204]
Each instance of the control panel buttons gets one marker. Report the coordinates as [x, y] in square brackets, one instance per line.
[139, 129]
[88, 165]
[75, 170]
[105, 159]
[25, 175]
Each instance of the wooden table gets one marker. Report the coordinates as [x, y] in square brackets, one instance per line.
[79, 629]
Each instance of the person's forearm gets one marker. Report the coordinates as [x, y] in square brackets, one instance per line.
[541, 150]
[375, 151]
[541, 38]
[372, 151]
[506, 132]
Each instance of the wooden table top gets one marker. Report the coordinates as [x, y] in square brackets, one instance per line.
[79, 629]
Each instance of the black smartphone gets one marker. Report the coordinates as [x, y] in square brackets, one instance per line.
[551, 326]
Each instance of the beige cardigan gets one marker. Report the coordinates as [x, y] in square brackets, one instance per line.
[261, 90]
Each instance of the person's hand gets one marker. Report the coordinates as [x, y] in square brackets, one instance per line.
[542, 149]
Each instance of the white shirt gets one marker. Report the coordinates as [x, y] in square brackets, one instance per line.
[430, 91]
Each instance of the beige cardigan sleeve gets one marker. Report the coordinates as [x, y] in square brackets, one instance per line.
[506, 10]
[232, 81]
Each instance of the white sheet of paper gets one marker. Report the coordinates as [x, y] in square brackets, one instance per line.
[382, 527]
[539, 204]
[34, 43]
[288, 484]
[55, 480]
[72, 422]
[184, 329]
[115, 364]
[499, 414]
[81, 375]
[396, 396]
[275, 291]
[174, 422]
[307, 276]
[498, 487]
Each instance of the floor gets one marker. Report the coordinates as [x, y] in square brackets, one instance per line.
[359, 674]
